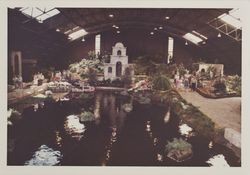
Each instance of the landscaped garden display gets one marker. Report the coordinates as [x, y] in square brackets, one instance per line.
[142, 120]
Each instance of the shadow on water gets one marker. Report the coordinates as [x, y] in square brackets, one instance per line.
[53, 135]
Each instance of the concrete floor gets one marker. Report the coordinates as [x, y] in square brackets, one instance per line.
[225, 112]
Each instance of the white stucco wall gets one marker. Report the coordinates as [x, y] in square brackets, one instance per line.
[219, 68]
[123, 58]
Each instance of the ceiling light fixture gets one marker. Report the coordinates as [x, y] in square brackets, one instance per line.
[155, 28]
[117, 27]
[118, 31]
[114, 26]
[83, 39]
[167, 17]
[219, 35]
[58, 30]
[151, 33]
[186, 43]
[160, 27]
[111, 15]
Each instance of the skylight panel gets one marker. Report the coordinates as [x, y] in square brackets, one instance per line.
[236, 13]
[199, 34]
[40, 14]
[191, 37]
[233, 18]
[53, 12]
[77, 34]
[31, 12]
[48, 14]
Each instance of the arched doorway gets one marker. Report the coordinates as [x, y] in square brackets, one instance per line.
[118, 69]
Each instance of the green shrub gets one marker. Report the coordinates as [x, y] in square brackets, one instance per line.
[220, 87]
[178, 144]
[86, 116]
[161, 82]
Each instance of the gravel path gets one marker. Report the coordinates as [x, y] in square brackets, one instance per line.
[225, 112]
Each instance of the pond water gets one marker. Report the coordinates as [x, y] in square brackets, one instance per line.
[53, 135]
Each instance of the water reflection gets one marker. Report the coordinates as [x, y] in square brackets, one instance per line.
[109, 146]
[36, 106]
[210, 145]
[135, 138]
[167, 116]
[97, 108]
[73, 127]
[112, 106]
[58, 139]
[45, 156]
[218, 161]
[159, 157]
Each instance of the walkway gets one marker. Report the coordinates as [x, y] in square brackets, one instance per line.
[19, 94]
[225, 112]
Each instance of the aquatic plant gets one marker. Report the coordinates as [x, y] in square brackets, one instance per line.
[178, 150]
[127, 107]
[86, 116]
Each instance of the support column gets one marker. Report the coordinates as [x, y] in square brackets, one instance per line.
[16, 57]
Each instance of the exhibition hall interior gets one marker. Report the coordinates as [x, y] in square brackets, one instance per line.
[124, 87]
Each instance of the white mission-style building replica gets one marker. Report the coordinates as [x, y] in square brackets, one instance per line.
[118, 63]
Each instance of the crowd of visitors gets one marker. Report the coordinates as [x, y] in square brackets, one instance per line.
[186, 81]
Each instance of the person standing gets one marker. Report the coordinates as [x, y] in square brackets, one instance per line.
[186, 82]
[15, 80]
[20, 81]
[193, 82]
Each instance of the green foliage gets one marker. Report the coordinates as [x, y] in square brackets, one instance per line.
[127, 77]
[92, 55]
[181, 69]
[178, 144]
[87, 116]
[165, 69]
[144, 65]
[219, 85]
[161, 82]
[187, 112]
[195, 67]
[91, 75]
[234, 84]
[13, 115]
[211, 69]
[87, 68]
[200, 122]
